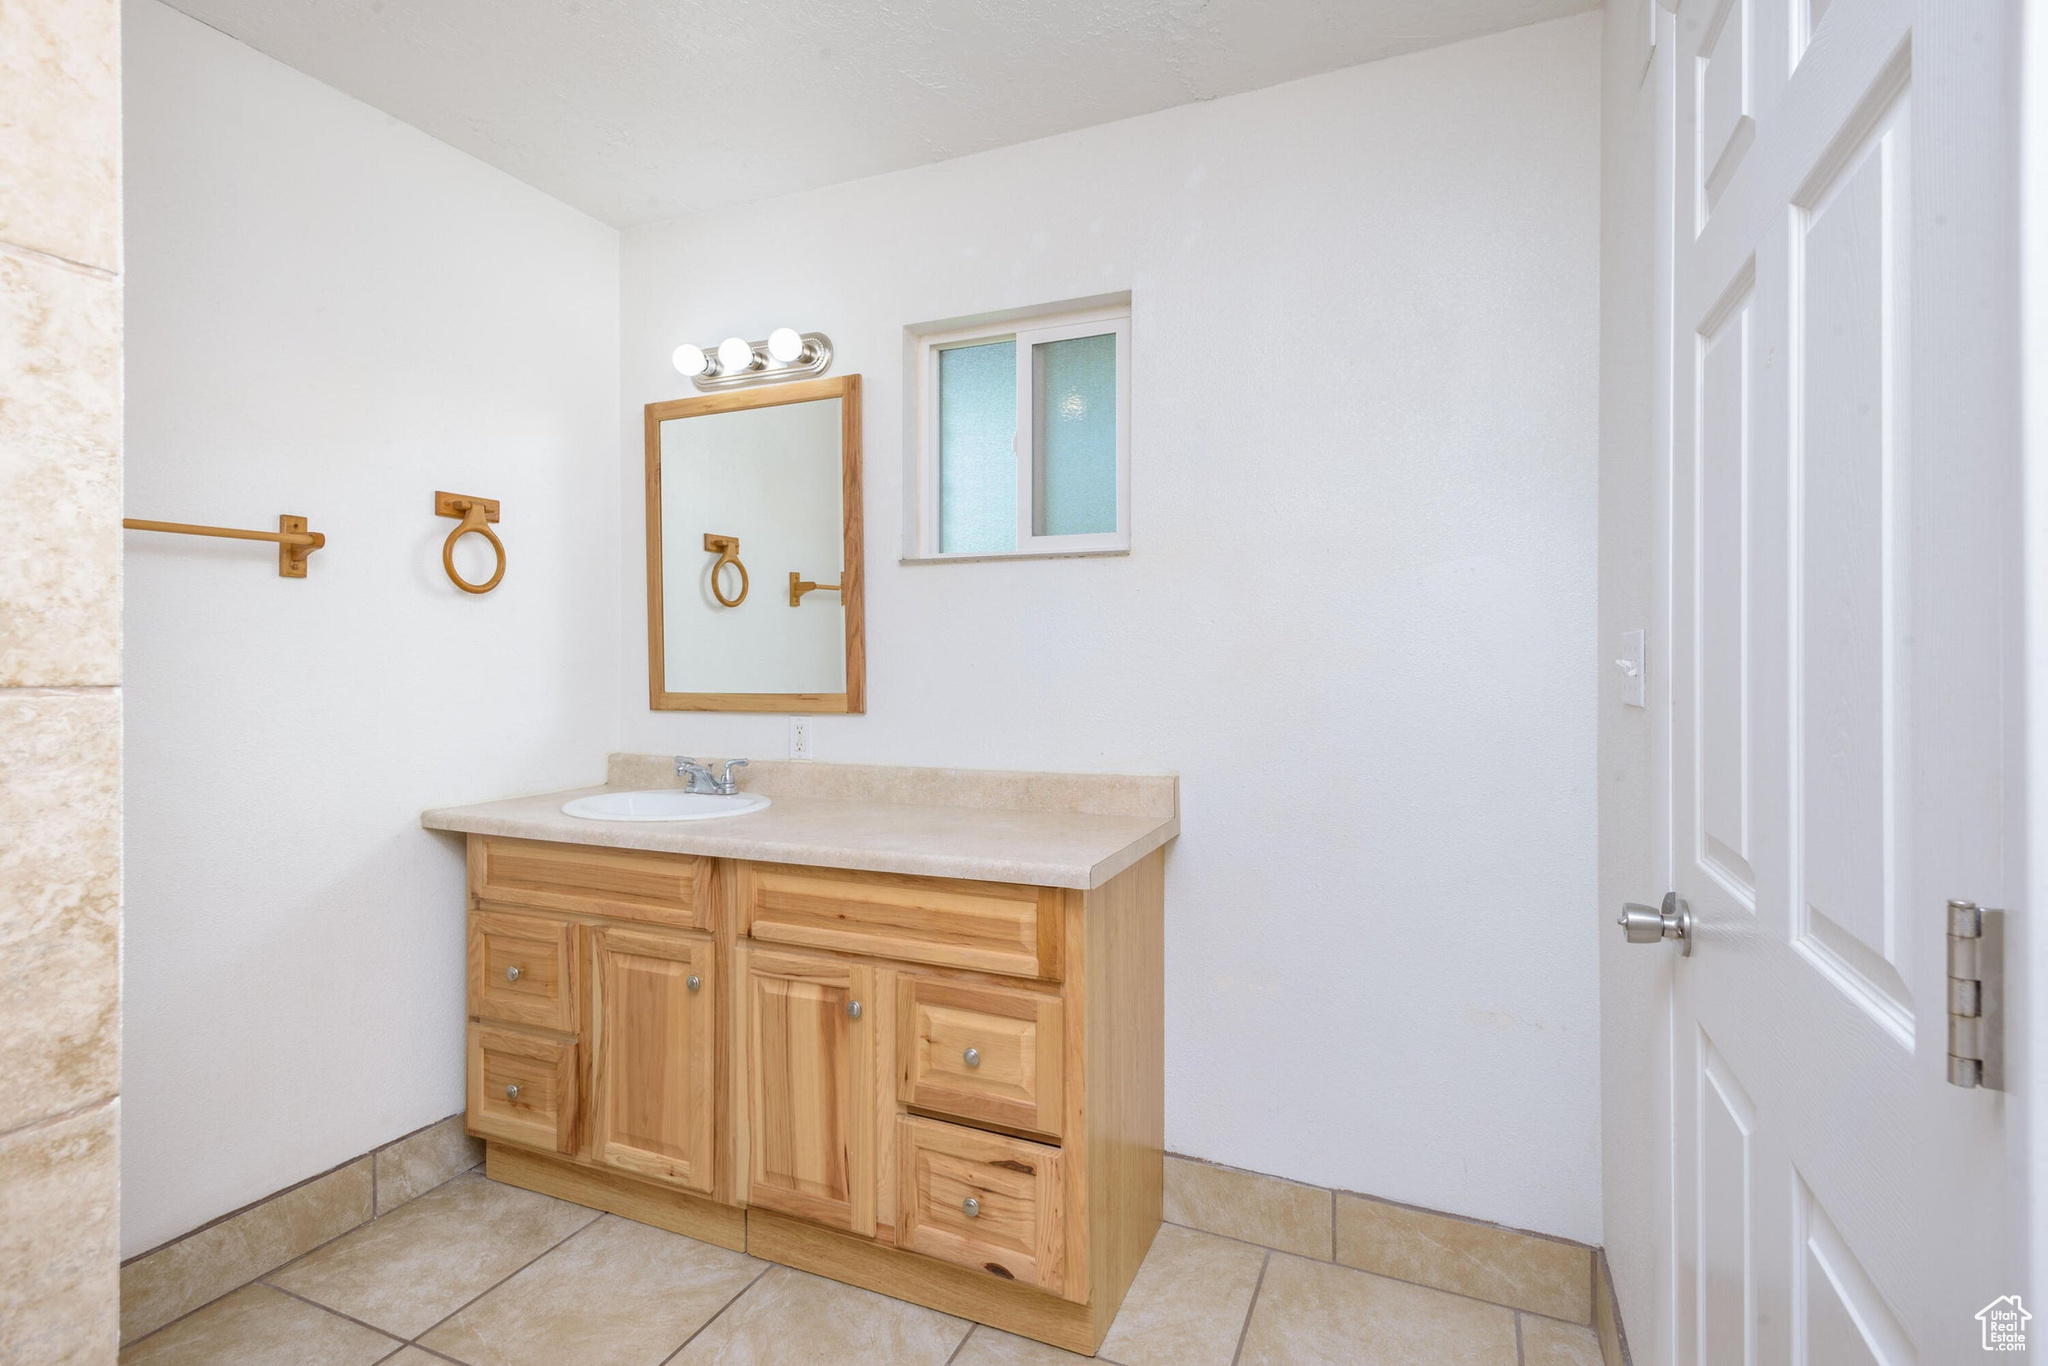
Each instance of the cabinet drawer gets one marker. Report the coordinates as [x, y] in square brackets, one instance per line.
[982, 1200]
[522, 1088]
[628, 884]
[992, 926]
[980, 1052]
[522, 969]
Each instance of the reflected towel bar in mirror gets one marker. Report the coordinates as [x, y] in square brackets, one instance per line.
[294, 542]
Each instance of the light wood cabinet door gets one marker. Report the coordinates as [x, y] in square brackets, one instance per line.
[653, 1022]
[810, 1032]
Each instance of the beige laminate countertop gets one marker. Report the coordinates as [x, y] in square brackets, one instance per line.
[1040, 848]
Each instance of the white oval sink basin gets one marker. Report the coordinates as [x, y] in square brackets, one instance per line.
[662, 805]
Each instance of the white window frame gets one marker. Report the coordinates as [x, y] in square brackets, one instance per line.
[1026, 332]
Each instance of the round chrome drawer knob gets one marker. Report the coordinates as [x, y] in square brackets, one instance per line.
[512, 974]
[693, 981]
[511, 1093]
[853, 1009]
[971, 1207]
[972, 1057]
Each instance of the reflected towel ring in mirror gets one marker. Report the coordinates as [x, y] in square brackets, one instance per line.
[474, 513]
[727, 548]
[798, 587]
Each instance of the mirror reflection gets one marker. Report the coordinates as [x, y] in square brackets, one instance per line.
[751, 538]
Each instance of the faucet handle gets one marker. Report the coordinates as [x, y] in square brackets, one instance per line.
[725, 775]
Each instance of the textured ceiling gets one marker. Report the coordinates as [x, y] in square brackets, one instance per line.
[637, 110]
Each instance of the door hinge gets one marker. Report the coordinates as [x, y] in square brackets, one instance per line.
[1976, 996]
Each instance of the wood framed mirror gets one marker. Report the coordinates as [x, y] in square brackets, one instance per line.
[754, 550]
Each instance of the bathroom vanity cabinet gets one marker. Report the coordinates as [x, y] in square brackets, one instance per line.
[944, 1089]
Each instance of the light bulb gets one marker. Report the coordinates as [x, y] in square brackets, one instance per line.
[785, 344]
[734, 355]
[689, 359]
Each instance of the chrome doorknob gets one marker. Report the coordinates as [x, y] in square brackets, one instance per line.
[1648, 924]
[511, 1093]
[853, 1009]
[512, 974]
[972, 1057]
[971, 1207]
[693, 981]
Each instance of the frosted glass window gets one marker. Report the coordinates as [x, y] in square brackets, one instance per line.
[977, 451]
[1073, 386]
[1024, 437]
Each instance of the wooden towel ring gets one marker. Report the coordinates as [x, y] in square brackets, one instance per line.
[727, 548]
[475, 514]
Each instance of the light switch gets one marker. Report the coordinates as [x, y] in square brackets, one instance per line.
[1634, 668]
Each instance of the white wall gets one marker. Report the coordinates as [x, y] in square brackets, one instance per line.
[1635, 987]
[332, 314]
[1360, 605]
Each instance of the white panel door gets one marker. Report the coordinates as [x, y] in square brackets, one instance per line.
[1840, 486]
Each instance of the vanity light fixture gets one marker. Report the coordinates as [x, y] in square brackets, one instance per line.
[734, 356]
[786, 354]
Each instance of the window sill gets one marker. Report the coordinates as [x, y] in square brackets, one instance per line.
[1013, 555]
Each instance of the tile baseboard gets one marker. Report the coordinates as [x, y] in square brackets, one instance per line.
[194, 1269]
[1607, 1316]
[1533, 1272]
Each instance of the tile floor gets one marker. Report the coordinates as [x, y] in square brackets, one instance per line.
[485, 1274]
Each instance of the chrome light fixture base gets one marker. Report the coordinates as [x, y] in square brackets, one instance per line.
[814, 360]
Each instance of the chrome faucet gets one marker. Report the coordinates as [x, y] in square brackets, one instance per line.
[700, 779]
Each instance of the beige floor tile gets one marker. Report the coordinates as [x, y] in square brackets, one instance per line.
[1258, 1209]
[258, 1326]
[177, 1279]
[1495, 1264]
[421, 1161]
[1187, 1306]
[59, 1193]
[1320, 1314]
[428, 1258]
[790, 1318]
[1546, 1342]
[413, 1356]
[992, 1347]
[616, 1294]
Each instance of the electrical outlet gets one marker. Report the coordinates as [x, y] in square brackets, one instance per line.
[799, 737]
